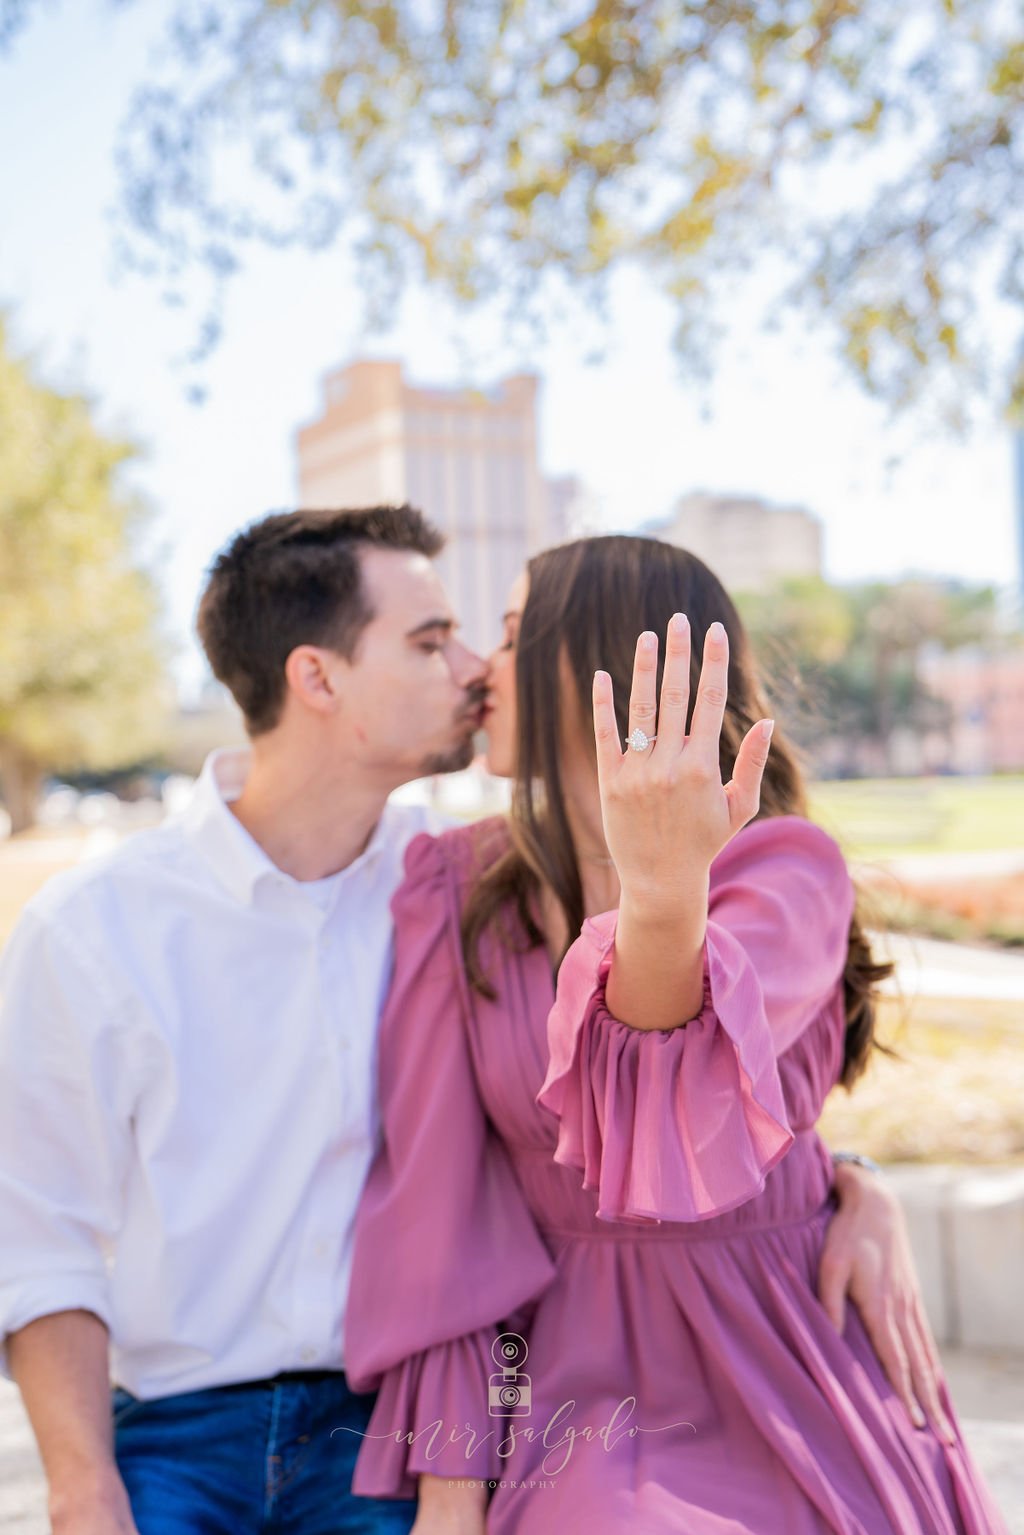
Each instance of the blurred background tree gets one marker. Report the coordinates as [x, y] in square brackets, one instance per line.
[82, 681]
[849, 655]
[866, 156]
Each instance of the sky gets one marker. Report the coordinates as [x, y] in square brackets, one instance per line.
[780, 419]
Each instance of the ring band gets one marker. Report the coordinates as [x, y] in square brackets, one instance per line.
[638, 740]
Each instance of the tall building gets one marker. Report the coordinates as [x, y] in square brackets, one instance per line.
[748, 543]
[465, 457]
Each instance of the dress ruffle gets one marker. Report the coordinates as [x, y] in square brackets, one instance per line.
[431, 1416]
[673, 1125]
[684, 1124]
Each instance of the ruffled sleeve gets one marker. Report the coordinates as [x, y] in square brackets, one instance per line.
[684, 1124]
[445, 1245]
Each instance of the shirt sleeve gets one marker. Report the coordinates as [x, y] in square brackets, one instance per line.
[684, 1124]
[445, 1245]
[64, 1128]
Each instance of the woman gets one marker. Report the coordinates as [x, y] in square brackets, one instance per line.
[624, 1181]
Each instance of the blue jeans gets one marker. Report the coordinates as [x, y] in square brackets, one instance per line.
[252, 1459]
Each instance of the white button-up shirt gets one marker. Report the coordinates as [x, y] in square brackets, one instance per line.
[187, 1105]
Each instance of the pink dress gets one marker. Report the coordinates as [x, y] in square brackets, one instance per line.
[645, 1212]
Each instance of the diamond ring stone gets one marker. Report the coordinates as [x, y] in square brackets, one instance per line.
[638, 740]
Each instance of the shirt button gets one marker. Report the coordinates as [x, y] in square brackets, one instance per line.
[307, 1354]
[320, 1248]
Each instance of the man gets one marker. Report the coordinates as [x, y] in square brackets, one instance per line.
[187, 1062]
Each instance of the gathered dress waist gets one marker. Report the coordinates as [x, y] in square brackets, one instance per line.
[798, 1189]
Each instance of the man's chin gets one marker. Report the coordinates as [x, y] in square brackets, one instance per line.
[456, 760]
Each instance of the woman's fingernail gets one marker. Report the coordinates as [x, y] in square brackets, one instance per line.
[767, 726]
[678, 624]
[716, 632]
[918, 1417]
[648, 640]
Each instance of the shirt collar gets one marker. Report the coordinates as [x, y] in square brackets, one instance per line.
[237, 858]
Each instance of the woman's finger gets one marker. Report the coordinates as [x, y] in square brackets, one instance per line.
[924, 1370]
[744, 787]
[834, 1279]
[712, 691]
[675, 687]
[606, 730]
[643, 698]
[887, 1342]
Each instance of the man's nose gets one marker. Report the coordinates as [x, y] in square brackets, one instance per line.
[468, 669]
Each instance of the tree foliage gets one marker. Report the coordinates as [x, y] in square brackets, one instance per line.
[81, 664]
[492, 146]
[849, 655]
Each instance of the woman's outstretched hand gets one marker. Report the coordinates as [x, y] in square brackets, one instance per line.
[667, 813]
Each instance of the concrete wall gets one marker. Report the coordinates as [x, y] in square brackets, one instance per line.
[967, 1231]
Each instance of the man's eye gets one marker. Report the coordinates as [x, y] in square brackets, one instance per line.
[430, 647]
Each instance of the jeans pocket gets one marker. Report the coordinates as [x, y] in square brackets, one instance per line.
[123, 1405]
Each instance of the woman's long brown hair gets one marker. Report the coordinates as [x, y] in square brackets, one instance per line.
[588, 602]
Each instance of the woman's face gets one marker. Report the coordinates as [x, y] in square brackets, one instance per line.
[500, 708]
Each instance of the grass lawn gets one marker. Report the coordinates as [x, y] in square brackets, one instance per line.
[887, 817]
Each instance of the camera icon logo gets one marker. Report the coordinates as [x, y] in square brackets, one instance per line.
[509, 1394]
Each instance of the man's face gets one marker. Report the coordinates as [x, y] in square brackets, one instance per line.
[413, 693]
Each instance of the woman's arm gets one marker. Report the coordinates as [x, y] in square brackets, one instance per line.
[667, 815]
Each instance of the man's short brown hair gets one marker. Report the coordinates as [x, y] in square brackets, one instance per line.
[295, 579]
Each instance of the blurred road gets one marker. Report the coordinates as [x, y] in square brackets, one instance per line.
[926, 967]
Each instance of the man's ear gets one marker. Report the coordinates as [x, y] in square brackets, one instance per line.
[312, 676]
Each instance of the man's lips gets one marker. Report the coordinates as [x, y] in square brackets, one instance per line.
[475, 717]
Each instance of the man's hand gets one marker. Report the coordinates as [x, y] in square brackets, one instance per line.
[450, 1508]
[452, 1521]
[867, 1257]
[102, 1509]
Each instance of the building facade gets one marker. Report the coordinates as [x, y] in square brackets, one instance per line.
[748, 543]
[467, 458]
[984, 694]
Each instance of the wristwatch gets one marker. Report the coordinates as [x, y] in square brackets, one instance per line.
[858, 1159]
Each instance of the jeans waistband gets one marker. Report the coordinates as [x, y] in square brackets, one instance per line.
[284, 1378]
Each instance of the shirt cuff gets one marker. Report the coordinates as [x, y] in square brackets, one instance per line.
[30, 1299]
